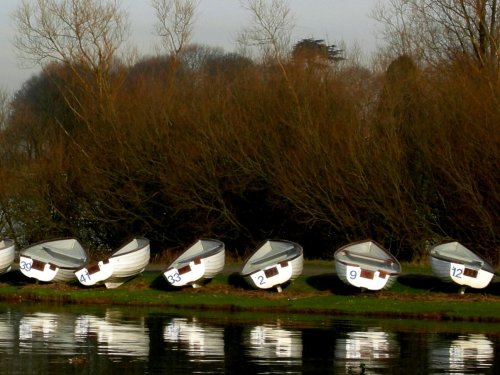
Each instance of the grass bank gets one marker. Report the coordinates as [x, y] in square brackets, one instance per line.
[416, 295]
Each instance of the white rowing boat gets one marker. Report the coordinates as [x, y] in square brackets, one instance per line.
[199, 263]
[275, 263]
[453, 262]
[53, 260]
[7, 255]
[125, 263]
[366, 265]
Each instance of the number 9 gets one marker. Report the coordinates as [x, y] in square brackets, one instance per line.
[353, 274]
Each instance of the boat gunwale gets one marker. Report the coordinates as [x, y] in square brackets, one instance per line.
[200, 255]
[383, 262]
[117, 253]
[7, 246]
[39, 245]
[297, 254]
[476, 261]
[56, 265]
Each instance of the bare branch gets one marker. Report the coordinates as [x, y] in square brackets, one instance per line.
[84, 36]
[270, 29]
[175, 21]
[435, 30]
[70, 31]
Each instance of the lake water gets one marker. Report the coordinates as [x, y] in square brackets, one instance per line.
[37, 339]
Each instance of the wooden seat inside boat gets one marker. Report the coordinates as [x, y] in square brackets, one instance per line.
[63, 259]
[275, 257]
[474, 263]
[369, 263]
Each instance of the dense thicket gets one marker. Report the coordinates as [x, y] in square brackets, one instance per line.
[224, 147]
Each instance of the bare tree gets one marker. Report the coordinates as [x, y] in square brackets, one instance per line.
[433, 30]
[270, 32]
[84, 35]
[175, 21]
[270, 28]
[400, 29]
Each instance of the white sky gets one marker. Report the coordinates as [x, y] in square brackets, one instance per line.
[217, 25]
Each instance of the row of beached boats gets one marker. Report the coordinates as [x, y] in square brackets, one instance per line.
[364, 264]
[61, 260]
[367, 265]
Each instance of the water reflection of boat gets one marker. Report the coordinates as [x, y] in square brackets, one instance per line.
[275, 263]
[268, 342]
[372, 347]
[115, 334]
[46, 329]
[6, 332]
[464, 354]
[201, 340]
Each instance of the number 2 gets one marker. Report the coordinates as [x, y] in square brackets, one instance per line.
[261, 280]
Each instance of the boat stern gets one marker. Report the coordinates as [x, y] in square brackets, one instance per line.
[367, 279]
[188, 274]
[272, 276]
[36, 269]
[95, 274]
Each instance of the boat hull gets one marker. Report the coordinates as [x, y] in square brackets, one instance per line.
[366, 265]
[126, 267]
[276, 274]
[460, 274]
[7, 255]
[359, 278]
[126, 263]
[202, 261]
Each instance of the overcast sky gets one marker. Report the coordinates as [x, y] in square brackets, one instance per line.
[217, 25]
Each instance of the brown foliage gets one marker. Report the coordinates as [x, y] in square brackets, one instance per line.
[322, 156]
